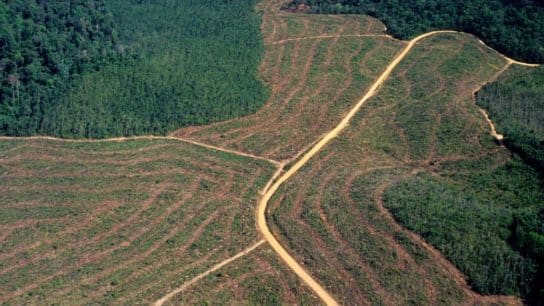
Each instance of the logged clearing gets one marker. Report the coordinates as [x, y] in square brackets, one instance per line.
[119, 222]
[316, 67]
[332, 215]
[132, 221]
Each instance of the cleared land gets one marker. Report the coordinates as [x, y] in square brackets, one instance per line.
[120, 222]
[332, 213]
[120, 241]
[259, 278]
[158, 213]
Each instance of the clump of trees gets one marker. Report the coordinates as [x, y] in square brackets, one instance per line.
[515, 28]
[515, 104]
[137, 67]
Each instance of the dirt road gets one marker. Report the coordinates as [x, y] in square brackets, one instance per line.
[218, 266]
[261, 213]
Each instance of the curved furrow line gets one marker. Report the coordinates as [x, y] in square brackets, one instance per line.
[442, 261]
[373, 231]
[406, 158]
[174, 231]
[234, 283]
[29, 223]
[80, 244]
[346, 248]
[343, 88]
[375, 283]
[154, 247]
[167, 275]
[218, 266]
[431, 288]
[363, 68]
[323, 81]
[274, 120]
[269, 269]
[261, 214]
[93, 257]
[70, 229]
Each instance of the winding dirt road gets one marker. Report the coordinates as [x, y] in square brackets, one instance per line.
[261, 212]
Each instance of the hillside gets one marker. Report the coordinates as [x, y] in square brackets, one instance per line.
[125, 222]
[421, 149]
[515, 103]
[371, 175]
[44, 45]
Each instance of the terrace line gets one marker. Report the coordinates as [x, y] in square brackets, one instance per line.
[273, 187]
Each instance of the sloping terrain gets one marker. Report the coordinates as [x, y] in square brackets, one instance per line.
[99, 69]
[260, 278]
[514, 102]
[161, 220]
[332, 215]
[515, 28]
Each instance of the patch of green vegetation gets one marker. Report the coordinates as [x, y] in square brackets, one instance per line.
[481, 207]
[44, 44]
[512, 27]
[474, 219]
[114, 68]
[515, 104]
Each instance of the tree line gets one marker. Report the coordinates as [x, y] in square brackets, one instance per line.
[515, 104]
[513, 27]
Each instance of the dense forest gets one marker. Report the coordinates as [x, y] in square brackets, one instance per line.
[513, 27]
[111, 68]
[502, 206]
[44, 44]
[515, 104]
[490, 224]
